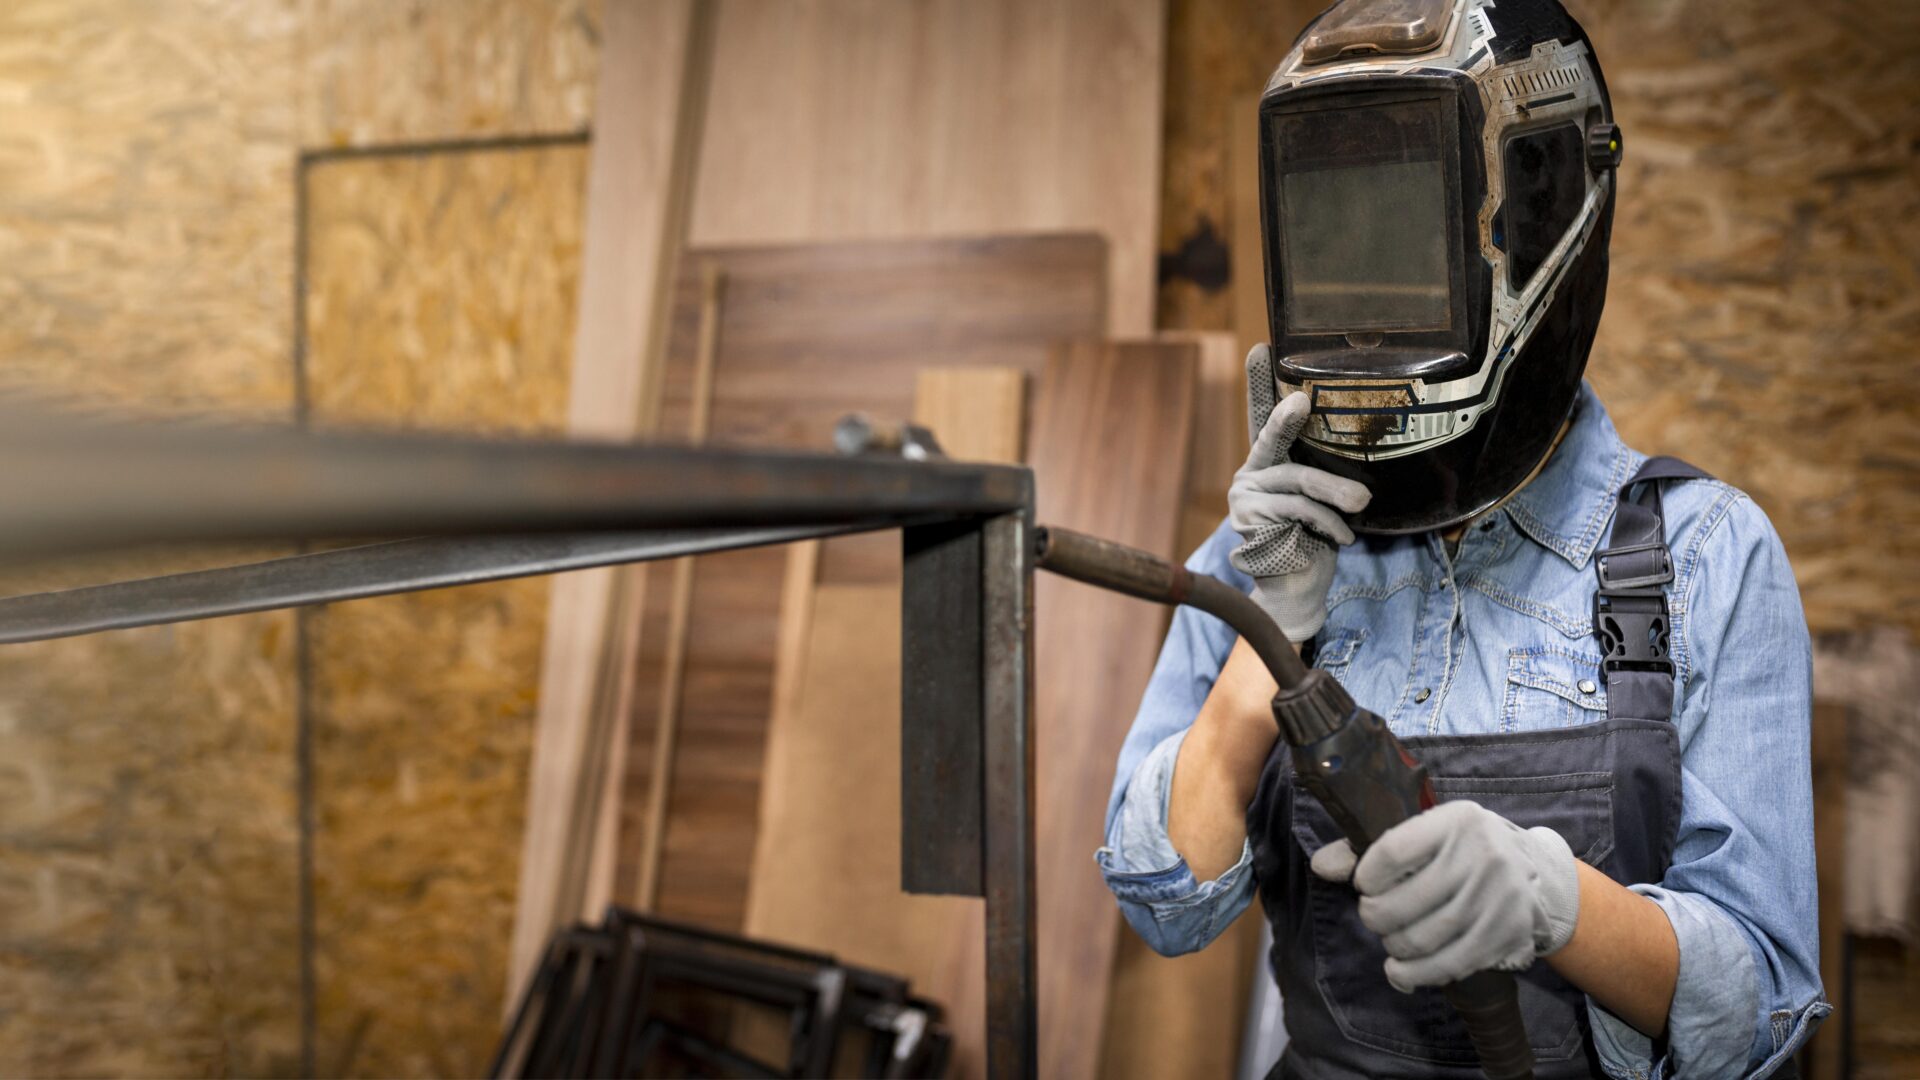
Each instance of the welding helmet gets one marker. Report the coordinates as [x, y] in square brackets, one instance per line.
[1437, 182]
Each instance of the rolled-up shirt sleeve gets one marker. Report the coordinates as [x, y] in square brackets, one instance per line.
[1740, 893]
[1158, 895]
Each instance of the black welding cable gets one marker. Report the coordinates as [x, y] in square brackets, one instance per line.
[1145, 576]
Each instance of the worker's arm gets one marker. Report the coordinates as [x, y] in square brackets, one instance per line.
[1219, 766]
[1623, 953]
[1171, 909]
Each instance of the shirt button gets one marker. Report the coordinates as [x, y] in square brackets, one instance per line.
[1587, 686]
[1421, 697]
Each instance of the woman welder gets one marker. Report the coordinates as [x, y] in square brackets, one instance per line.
[1601, 658]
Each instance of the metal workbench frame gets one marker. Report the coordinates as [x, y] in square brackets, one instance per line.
[472, 510]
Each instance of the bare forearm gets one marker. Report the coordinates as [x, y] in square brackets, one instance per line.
[1219, 767]
[1623, 953]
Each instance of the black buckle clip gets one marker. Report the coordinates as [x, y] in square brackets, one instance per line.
[1633, 632]
[1635, 566]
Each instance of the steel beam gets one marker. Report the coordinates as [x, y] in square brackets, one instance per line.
[942, 682]
[1013, 1030]
[357, 572]
[68, 486]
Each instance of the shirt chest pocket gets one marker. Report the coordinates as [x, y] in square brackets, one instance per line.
[1549, 687]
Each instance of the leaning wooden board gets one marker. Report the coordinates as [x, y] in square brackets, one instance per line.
[1110, 441]
[807, 334]
[826, 868]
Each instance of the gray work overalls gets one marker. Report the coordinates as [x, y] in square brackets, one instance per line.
[1612, 789]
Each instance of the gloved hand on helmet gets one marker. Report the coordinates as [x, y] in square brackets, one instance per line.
[1287, 515]
[1460, 889]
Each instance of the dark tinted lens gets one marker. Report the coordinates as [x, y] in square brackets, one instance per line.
[1546, 182]
[1362, 202]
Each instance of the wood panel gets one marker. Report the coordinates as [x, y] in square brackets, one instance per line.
[864, 119]
[826, 870]
[1183, 1015]
[1111, 431]
[807, 334]
[648, 113]
[440, 295]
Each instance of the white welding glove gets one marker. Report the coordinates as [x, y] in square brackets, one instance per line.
[1287, 515]
[1460, 889]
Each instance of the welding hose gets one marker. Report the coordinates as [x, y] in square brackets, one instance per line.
[1144, 576]
[1488, 1002]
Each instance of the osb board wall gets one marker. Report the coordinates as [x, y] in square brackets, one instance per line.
[377, 71]
[149, 841]
[1763, 300]
[440, 293]
[148, 877]
[146, 199]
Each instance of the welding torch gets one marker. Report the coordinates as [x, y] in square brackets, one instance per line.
[1344, 755]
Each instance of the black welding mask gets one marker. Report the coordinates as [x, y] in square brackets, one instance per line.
[1437, 181]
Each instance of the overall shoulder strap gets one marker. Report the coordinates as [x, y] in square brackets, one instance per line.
[1630, 618]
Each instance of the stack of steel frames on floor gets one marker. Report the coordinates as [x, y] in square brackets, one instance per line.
[462, 510]
[638, 996]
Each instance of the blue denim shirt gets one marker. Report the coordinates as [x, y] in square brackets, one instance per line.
[1499, 637]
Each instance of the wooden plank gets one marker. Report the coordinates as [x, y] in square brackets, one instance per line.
[809, 333]
[712, 286]
[940, 118]
[637, 189]
[978, 414]
[1183, 1015]
[1112, 424]
[827, 860]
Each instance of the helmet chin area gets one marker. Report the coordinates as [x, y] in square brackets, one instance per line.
[1435, 202]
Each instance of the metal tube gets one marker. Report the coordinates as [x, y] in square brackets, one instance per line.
[69, 485]
[1148, 577]
[356, 572]
[1013, 1027]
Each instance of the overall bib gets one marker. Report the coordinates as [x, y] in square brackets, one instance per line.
[1611, 789]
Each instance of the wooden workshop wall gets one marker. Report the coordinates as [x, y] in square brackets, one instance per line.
[150, 827]
[440, 294]
[1762, 304]
[148, 838]
[1763, 297]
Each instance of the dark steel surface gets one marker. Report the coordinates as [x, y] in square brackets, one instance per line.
[941, 681]
[486, 509]
[70, 485]
[1013, 1034]
[356, 572]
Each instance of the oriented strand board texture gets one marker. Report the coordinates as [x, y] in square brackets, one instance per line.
[148, 876]
[807, 334]
[1764, 294]
[386, 71]
[846, 119]
[146, 200]
[1094, 649]
[148, 840]
[441, 295]
[149, 847]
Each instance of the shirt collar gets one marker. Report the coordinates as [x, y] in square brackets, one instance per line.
[1567, 506]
